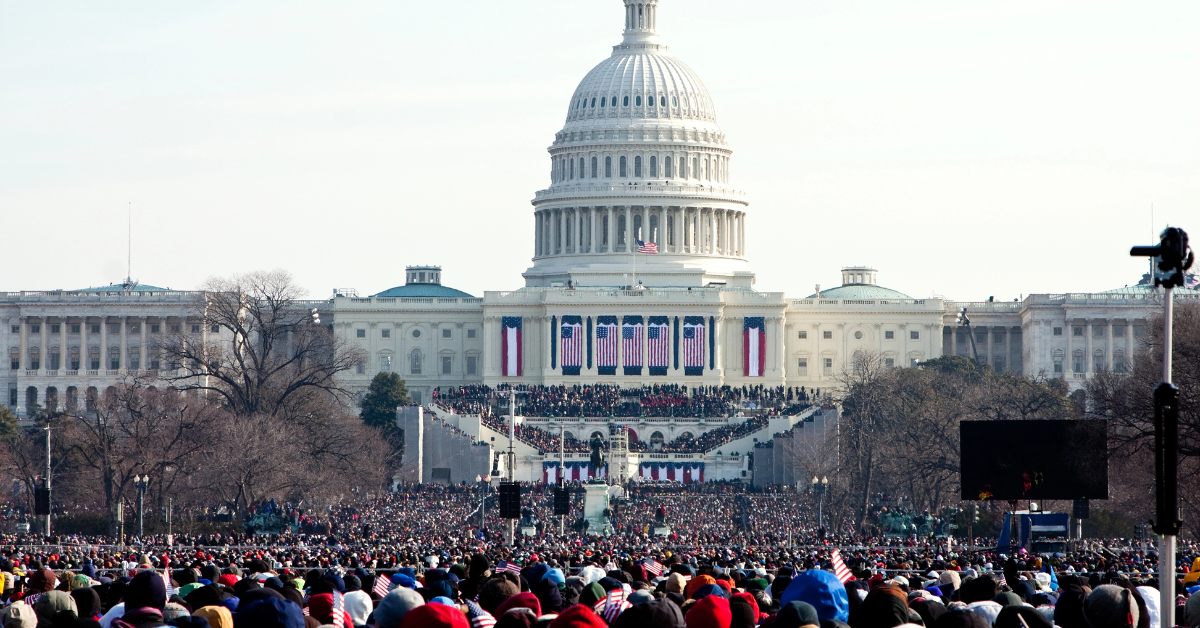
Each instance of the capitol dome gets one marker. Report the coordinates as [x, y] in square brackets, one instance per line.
[640, 176]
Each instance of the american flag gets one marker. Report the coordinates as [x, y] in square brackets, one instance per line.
[510, 346]
[507, 566]
[693, 345]
[658, 344]
[614, 604]
[572, 344]
[478, 617]
[606, 344]
[647, 247]
[339, 609]
[382, 585]
[839, 568]
[653, 566]
[754, 346]
[631, 336]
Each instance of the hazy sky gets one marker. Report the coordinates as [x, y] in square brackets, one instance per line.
[963, 148]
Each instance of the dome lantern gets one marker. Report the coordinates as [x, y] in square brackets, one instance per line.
[641, 18]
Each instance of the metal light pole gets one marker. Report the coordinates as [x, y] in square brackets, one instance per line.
[1171, 258]
[820, 487]
[141, 482]
[48, 484]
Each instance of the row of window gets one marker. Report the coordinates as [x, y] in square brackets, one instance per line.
[714, 168]
[416, 364]
[827, 365]
[708, 225]
[1099, 363]
[583, 103]
[887, 335]
[94, 328]
[93, 360]
[1118, 331]
[416, 333]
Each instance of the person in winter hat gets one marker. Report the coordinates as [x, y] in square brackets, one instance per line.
[823, 591]
[1110, 606]
[358, 606]
[395, 605]
[711, 611]
[435, 616]
[579, 616]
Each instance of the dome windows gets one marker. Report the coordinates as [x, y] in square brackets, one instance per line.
[653, 166]
[639, 101]
[667, 163]
[593, 102]
[637, 166]
[622, 170]
[662, 101]
[595, 170]
[601, 102]
[626, 101]
[674, 101]
[608, 167]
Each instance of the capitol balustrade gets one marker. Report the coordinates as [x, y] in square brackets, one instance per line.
[603, 296]
[649, 190]
[156, 296]
[363, 302]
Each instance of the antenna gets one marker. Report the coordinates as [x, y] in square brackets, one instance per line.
[129, 244]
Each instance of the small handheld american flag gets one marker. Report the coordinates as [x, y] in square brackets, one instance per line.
[653, 566]
[647, 247]
[339, 609]
[840, 569]
[507, 566]
[382, 585]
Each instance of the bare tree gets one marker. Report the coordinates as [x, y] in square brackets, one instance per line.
[269, 350]
[140, 430]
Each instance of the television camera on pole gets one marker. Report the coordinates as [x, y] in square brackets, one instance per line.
[1171, 259]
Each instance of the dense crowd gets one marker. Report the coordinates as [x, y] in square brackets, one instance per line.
[666, 400]
[733, 557]
[756, 404]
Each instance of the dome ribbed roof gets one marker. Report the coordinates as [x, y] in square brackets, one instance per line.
[633, 74]
[423, 290]
[861, 292]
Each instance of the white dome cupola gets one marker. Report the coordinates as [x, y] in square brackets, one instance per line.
[640, 157]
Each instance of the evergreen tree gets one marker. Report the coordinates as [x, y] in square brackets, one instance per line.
[386, 392]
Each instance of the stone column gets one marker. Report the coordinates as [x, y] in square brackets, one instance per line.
[1069, 357]
[24, 357]
[592, 230]
[987, 343]
[1128, 344]
[537, 233]
[1087, 357]
[628, 231]
[781, 338]
[491, 346]
[103, 344]
[561, 235]
[1108, 344]
[678, 212]
[123, 356]
[608, 229]
[43, 350]
[63, 353]
[83, 346]
[718, 342]
[145, 320]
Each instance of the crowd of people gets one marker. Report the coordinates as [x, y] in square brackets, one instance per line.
[755, 404]
[665, 400]
[734, 557]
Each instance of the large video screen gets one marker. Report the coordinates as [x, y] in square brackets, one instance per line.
[1019, 460]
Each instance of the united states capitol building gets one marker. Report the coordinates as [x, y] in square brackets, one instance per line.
[639, 164]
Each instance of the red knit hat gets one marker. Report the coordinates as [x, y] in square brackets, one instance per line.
[711, 611]
[434, 616]
[525, 599]
[580, 616]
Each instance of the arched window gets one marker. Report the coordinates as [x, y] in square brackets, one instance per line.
[683, 174]
[72, 400]
[625, 101]
[569, 435]
[602, 102]
[637, 227]
[89, 399]
[667, 162]
[597, 435]
[608, 167]
[686, 436]
[695, 167]
[414, 362]
[637, 166]
[31, 399]
[385, 364]
[52, 399]
[674, 101]
[621, 229]
[639, 101]
[595, 170]
[653, 233]
[662, 101]
[572, 168]
[656, 438]
[653, 166]
[593, 102]
[623, 175]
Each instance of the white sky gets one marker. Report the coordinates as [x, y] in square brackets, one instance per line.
[963, 148]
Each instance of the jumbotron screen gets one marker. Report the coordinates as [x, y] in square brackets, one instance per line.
[1019, 460]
